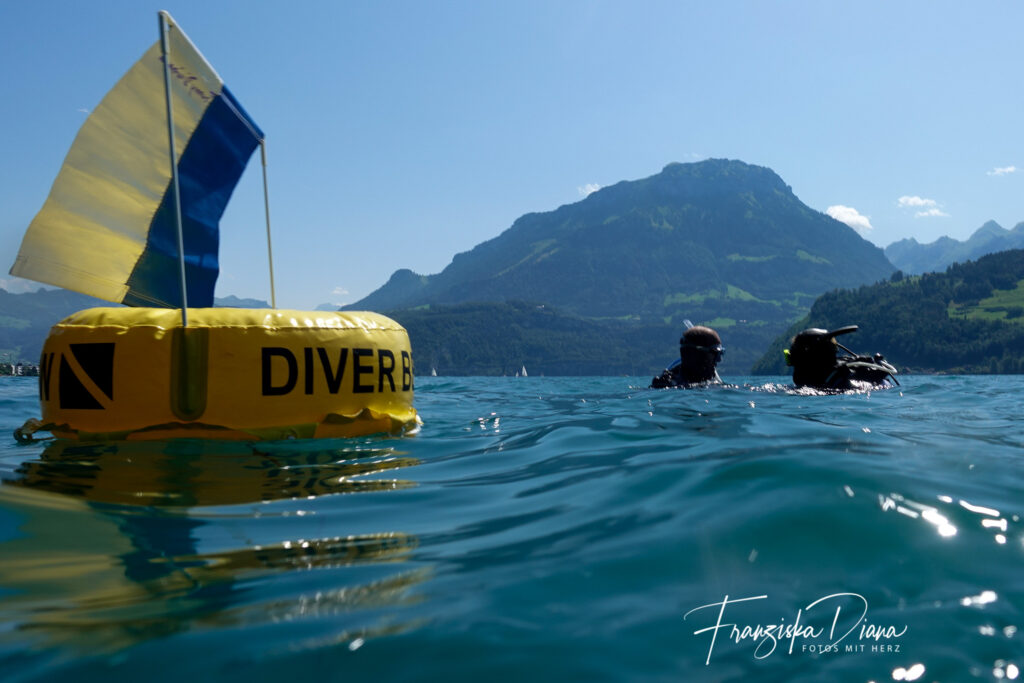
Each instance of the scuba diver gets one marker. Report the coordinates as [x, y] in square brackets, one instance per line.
[700, 350]
[817, 363]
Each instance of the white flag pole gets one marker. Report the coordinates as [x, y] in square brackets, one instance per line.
[165, 52]
[266, 208]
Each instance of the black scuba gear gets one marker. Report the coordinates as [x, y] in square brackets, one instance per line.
[814, 355]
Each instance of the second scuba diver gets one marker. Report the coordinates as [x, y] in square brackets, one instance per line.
[817, 362]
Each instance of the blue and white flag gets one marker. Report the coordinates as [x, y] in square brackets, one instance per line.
[108, 227]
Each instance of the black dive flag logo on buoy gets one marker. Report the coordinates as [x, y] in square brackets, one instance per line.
[85, 377]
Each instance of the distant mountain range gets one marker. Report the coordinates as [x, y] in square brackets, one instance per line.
[720, 242]
[915, 258]
[968, 319]
[232, 301]
[26, 319]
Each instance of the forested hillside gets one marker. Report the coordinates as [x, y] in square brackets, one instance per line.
[501, 338]
[968, 319]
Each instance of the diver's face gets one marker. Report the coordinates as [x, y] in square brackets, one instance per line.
[699, 363]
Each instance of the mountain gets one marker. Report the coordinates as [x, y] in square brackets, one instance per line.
[718, 242]
[914, 258]
[232, 301]
[26, 319]
[716, 236]
[968, 319]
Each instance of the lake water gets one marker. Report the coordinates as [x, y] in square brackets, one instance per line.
[542, 529]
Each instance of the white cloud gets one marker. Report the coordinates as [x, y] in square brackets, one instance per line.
[339, 291]
[1004, 170]
[588, 189]
[17, 285]
[929, 207]
[850, 216]
[906, 201]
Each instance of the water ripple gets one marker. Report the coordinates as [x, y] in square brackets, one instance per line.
[551, 528]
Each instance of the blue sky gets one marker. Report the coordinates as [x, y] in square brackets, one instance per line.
[402, 133]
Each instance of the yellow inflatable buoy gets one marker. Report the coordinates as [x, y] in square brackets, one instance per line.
[136, 373]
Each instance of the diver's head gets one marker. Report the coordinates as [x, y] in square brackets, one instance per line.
[700, 350]
[812, 353]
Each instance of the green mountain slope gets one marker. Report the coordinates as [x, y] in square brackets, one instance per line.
[969, 319]
[912, 257]
[711, 239]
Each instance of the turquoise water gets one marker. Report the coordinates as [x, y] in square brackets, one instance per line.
[536, 528]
